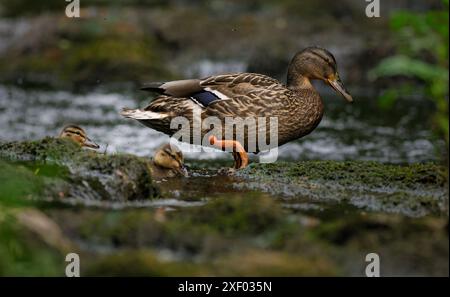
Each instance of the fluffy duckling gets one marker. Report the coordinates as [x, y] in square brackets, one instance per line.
[77, 134]
[168, 162]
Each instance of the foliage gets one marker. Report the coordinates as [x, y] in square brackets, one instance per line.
[422, 54]
[17, 183]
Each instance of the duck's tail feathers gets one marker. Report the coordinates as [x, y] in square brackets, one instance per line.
[176, 88]
[153, 87]
[139, 114]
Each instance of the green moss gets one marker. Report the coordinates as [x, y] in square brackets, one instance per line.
[351, 172]
[47, 149]
[413, 190]
[17, 184]
[85, 173]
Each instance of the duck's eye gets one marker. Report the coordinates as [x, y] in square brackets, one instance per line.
[170, 154]
[74, 132]
[80, 134]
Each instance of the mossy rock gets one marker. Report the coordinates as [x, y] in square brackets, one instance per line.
[83, 174]
[18, 182]
[351, 172]
[414, 189]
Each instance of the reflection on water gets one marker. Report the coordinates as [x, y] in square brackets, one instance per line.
[359, 131]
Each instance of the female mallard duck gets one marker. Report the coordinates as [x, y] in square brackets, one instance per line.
[168, 162]
[297, 106]
[78, 135]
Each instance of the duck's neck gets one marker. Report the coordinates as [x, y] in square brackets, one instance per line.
[307, 104]
[297, 81]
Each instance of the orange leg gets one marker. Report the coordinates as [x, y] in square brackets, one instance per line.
[239, 154]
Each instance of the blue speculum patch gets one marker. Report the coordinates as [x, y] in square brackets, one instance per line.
[204, 98]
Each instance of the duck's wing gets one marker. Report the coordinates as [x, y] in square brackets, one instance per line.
[238, 83]
[214, 88]
[255, 102]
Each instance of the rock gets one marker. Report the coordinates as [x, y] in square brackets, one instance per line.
[413, 190]
[72, 173]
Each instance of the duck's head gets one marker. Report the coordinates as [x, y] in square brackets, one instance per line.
[316, 63]
[170, 157]
[77, 134]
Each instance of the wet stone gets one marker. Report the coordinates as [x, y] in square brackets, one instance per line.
[79, 174]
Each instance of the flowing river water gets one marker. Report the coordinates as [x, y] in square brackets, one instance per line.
[359, 131]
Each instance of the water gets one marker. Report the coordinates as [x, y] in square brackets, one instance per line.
[360, 131]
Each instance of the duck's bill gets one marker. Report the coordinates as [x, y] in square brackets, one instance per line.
[339, 87]
[90, 144]
[183, 171]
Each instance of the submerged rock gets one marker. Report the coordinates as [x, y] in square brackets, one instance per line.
[72, 173]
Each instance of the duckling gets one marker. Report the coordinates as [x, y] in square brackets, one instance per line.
[168, 162]
[296, 105]
[77, 134]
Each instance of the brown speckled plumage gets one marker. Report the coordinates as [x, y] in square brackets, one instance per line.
[168, 161]
[297, 105]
